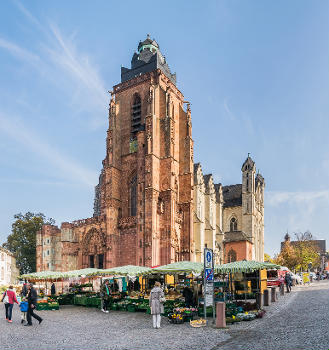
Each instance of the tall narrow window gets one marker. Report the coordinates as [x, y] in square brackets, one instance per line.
[91, 261]
[247, 183]
[233, 224]
[100, 261]
[133, 196]
[231, 256]
[136, 115]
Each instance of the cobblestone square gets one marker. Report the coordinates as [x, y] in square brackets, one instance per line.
[297, 321]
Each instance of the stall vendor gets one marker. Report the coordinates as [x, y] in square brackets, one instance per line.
[188, 295]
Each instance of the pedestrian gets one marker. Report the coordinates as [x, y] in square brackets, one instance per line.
[24, 306]
[24, 290]
[53, 289]
[288, 281]
[188, 295]
[9, 298]
[32, 297]
[106, 296]
[156, 304]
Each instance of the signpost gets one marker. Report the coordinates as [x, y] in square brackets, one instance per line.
[208, 281]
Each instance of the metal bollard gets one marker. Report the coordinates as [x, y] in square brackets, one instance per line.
[281, 289]
[259, 300]
[267, 300]
[273, 294]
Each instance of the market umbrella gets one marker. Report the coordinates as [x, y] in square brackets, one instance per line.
[42, 275]
[180, 267]
[127, 270]
[244, 266]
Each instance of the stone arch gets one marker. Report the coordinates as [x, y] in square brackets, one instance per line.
[94, 242]
[233, 223]
[231, 256]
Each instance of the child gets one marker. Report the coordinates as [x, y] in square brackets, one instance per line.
[24, 307]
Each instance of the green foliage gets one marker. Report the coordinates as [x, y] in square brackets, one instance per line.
[298, 255]
[22, 241]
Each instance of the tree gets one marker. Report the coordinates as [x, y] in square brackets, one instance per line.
[287, 256]
[297, 255]
[306, 251]
[22, 241]
[267, 258]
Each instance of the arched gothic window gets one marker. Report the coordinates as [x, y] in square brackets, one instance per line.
[133, 196]
[231, 256]
[233, 224]
[136, 115]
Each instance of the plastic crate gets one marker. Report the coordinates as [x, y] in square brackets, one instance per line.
[131, 308]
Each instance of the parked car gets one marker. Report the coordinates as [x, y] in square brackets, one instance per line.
[297, 278]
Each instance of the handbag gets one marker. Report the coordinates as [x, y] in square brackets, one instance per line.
[5, 299]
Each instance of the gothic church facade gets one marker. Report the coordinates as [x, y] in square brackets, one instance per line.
[152, 205]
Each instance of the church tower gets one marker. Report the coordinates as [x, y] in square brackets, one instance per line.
[146, 185]
[248, 200]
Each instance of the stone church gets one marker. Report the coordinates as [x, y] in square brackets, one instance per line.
[145, 210]
[229, 219]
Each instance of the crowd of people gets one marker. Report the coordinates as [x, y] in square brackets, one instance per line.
[27, 304]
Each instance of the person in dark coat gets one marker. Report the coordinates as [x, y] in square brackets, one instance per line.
[32, 298]
[188, 295]
[24, 290]
[106, 296]
[53, 289]
[288, 281]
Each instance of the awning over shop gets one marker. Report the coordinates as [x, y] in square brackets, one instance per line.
[180, 267]
[244, 266]
[127, 270]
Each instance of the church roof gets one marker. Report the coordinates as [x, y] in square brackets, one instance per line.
[232, 195]
[248, 164]
[148, 41]
[148, 59]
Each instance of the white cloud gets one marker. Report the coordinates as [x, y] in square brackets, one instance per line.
[275, 198]
[19, 52]
[69, 169]
[60, 62]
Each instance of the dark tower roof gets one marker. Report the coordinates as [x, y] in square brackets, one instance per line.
[147, 59]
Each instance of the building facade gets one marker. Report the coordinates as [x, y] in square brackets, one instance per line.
[8, 271]
[144, 200]
[229, 219]
[153, 205]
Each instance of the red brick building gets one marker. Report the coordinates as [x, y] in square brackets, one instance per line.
[144, 199]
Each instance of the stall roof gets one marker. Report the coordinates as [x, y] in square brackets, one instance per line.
[44, 275]
[127, 270]
[180, 267]
[244, 266]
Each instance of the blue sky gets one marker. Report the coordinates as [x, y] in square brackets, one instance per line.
[256, 74]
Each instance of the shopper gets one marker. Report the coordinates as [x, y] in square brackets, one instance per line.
[32, 304]
[53, 289]
[106, 296]
[9, 298]
[288, 281]
[156, 304]
[24, 306]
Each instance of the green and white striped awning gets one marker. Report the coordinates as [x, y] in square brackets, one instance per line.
[244, 266]
[127, 270]
[180, 267]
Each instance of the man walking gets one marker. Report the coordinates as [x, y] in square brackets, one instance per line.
[32, 302]
[288, 281]
[106, 296]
